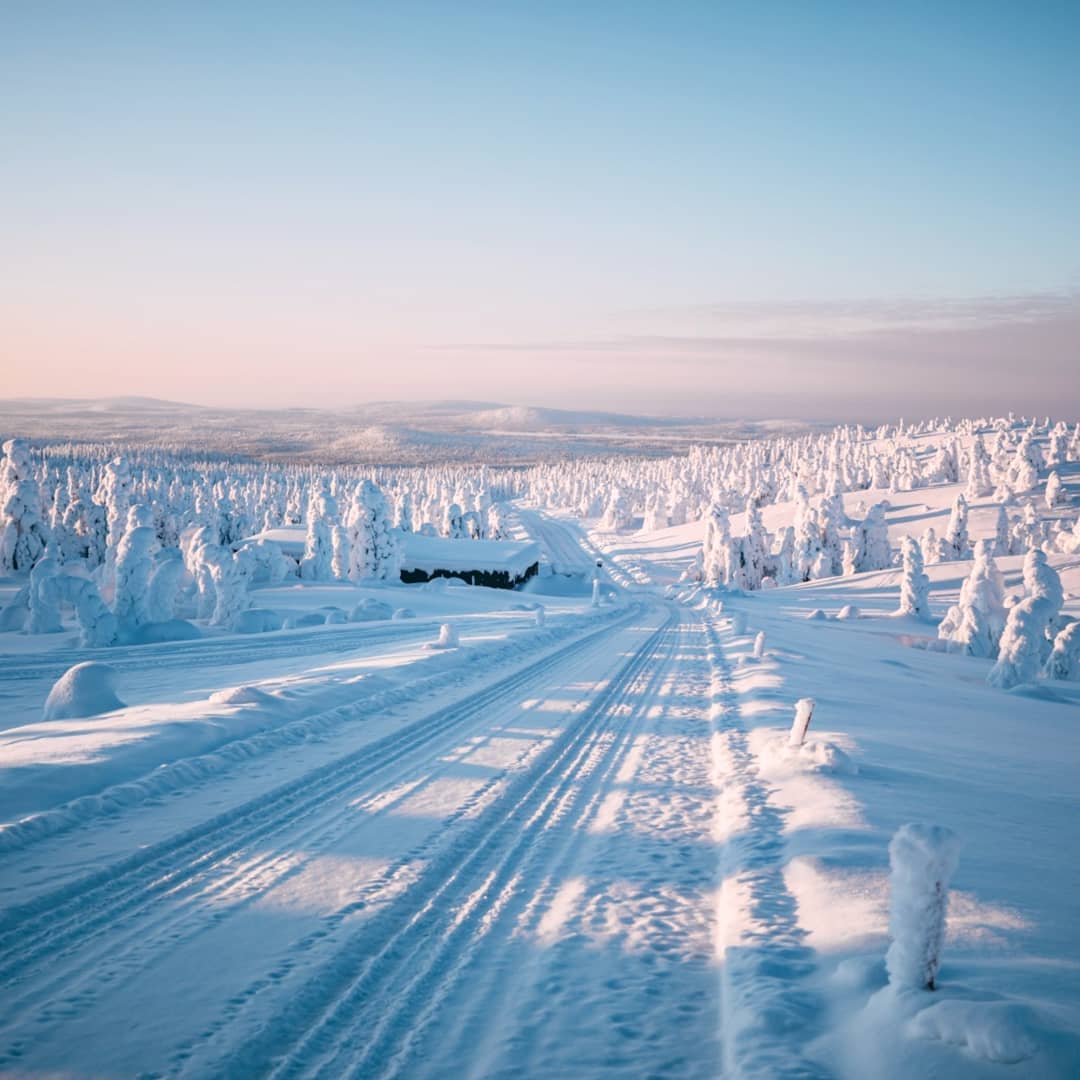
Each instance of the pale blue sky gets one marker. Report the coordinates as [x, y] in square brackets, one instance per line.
[544, 202]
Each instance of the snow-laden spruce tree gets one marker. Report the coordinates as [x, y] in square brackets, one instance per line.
[933, 550]
[1056, 495]
[655, 514]
[1024, 469]
[45, 596]
[716, 549]
[785, 571]
[97, 624]
[134, 565]
[230, 574]
[318, 561]
[1064, 659]
[1002, 532]
[453, 522]
[166, 582]
[914, 584]
[1025, 642]
[374, 546]
[23, 531]
[872, 540]
[979, 482]
[975, 624]
[754, 549]
[956, 544]
[617, 513]
[403, 516]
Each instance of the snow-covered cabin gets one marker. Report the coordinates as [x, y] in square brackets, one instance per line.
[499, 564]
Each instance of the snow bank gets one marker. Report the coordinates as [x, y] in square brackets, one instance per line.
[84, 690]
[998, 1031]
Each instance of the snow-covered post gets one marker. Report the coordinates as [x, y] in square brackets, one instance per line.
[804, 711]
[923, 859]
[596, 584]
[759, 645]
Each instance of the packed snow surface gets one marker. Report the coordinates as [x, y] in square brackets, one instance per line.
[523, 834]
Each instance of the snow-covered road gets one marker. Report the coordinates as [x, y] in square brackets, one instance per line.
[515, 875]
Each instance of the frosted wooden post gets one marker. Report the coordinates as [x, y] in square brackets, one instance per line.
[596, 584]
[759, 645]
[804, 709]
[923, 858]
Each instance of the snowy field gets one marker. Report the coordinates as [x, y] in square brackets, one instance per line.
[307, 820]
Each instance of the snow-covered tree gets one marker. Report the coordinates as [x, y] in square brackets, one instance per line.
[1056, 495]
[23, 531]
[45, 597]
[134, 565]
[1025, 643]
[914, 584]
[1064, 660]
[956, 544]
[318, 561]
[974, 625]
[374, 547]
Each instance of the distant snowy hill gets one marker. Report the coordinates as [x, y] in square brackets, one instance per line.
[383, 432]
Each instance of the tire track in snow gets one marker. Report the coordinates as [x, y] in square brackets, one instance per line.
[63, 922]
[417, 938]
[620, 928]
[767, 1011]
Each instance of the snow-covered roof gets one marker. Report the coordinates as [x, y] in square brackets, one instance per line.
[429, 553]
[292, 539]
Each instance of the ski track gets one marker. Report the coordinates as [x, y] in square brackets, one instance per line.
[340, 1023]
[73, 918]
[608, 900]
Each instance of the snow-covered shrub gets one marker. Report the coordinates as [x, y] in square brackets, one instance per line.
[914, 584]
[922, 859]
[87, 689]
[1025, 642]
[45, 597]
[974, 625]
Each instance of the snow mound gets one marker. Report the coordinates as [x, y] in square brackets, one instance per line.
[84, 690]
[257, 621]
[849, 611]
[404, 613]
[244, 695]
[371, 610]
[776, 756]
[155, 633]
[1000, 1031]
